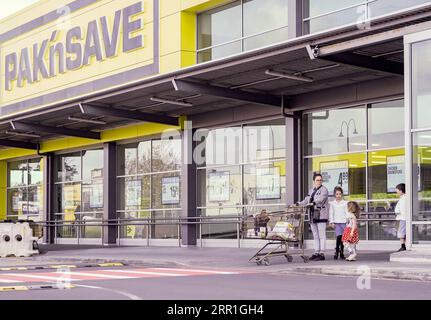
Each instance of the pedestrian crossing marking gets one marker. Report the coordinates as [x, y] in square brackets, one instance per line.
[107, 274]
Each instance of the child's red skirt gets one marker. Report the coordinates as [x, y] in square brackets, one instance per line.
[350, 239]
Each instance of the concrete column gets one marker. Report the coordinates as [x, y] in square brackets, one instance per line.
[188, 186]
[48, 197]
[110, 192]
[292, 160]
[295, 28]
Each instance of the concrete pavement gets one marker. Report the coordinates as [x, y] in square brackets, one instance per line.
[376, 263]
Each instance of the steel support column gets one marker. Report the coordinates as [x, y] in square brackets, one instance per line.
[188, 186]
[292, 160]
[48, 197]
[110, 192]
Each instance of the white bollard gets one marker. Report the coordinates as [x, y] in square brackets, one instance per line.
[16, 239]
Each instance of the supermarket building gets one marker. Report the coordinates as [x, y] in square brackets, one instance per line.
[103, 105]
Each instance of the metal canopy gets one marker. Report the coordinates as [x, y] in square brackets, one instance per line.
[363, 61]
[56, 130]
[19, 144]
[127, 114]
[226, 93]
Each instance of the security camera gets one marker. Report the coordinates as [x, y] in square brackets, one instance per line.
[316, 51]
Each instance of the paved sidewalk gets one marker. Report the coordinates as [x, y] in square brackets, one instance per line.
[375, 262]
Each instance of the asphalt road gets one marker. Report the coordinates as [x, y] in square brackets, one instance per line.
[224, 285]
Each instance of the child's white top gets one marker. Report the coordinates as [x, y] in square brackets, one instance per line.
[338, 211]
[401, 208]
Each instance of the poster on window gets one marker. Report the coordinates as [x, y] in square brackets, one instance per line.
[268, 183]
[171, 190]
[133, 191]
[30, 208]
[335, 174]
[219, 186]
[395, 172]
[96, 196]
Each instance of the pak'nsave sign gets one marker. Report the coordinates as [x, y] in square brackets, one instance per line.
[88, 45]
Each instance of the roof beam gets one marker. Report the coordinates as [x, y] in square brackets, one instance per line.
[127, 114]
[19, 144]
[232, 94]
[358, 60]
[55, 130]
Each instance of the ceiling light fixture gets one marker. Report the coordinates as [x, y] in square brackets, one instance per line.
[288, 76]
[176, 103]
[22, 134]
[71, 118]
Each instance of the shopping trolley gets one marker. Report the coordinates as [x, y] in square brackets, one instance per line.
[285, 238]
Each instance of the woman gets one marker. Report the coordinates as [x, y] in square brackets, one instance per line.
[319, 214]
[400, 211]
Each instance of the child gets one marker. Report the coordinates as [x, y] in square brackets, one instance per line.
[400, 211]
[338, 220]
[351, 234]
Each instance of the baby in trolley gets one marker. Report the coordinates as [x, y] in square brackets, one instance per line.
[261, 224]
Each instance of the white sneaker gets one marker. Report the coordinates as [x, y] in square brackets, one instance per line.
[352, 257]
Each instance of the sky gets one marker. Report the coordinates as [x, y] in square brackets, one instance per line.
[8, 7]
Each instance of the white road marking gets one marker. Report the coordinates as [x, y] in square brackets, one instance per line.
[105, 276]
[196, 270]
[149, 273]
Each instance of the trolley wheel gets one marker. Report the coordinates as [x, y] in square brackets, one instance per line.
[289, 258]
[266, 262]
[305, 258]
[259, 262]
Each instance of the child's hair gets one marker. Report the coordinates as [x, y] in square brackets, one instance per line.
[353, 207]
[338, 189]
[401, 187]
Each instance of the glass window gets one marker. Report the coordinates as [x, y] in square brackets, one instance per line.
[241, 26]
[220, 146]
[24, 191]
[266, 140]
[421, 85]
[166, 190]
[384, 133]
[386, 169]
[381, 7]
[330, 14]
[265, 183]
[79, 192]
[347, 171]
[92, 165]
[18, 173]
[166, 155]
[69, 167]
[16, 201]
[263, 15]
[336, 131]
[144, 157]
[220, 25]
[422, 161]
[35, 171]
[153, 173]
[220, 187]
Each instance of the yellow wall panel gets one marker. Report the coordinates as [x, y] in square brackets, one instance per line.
[200, 5]
[170, 62]
[168, 7]
[170, 27]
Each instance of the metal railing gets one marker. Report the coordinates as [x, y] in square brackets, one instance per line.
[240, 221]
